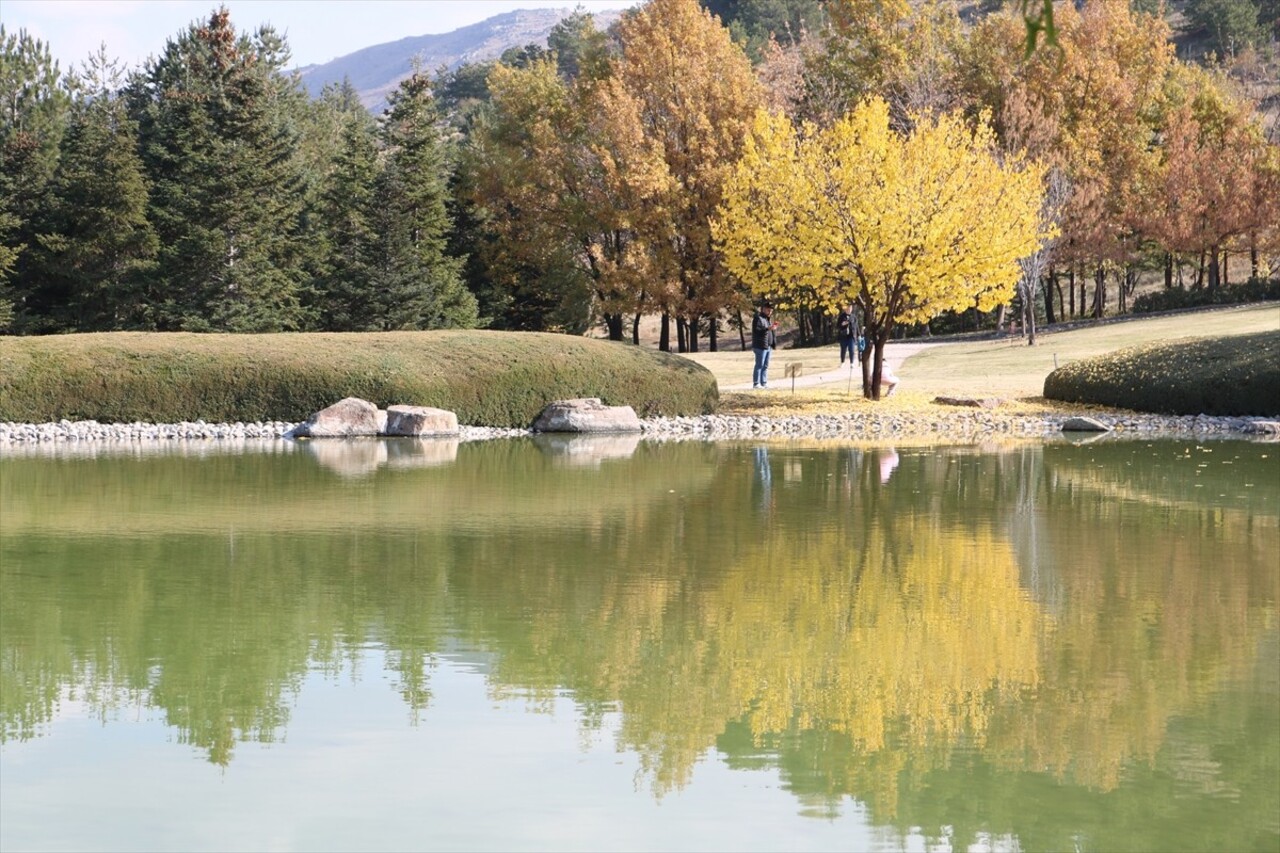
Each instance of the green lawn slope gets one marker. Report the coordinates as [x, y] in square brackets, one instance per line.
[487, 378]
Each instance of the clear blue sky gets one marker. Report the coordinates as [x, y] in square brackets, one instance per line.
[318, 30]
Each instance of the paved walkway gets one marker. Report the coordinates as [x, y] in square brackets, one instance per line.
[894, 355]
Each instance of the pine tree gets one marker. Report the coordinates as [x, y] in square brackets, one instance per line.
[220, 141]
[96, 242]
[33, 107]
[345, 219]
[1231, 25]
[416, 284]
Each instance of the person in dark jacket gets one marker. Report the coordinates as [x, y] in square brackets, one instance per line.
[845, 333]
[764, 340]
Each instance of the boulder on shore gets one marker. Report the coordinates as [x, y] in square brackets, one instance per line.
[586, 414]
[1261, 427]
[1080, 424]
[417, 421]
[349, 417]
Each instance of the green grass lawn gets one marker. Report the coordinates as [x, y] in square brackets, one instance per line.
[1007, 367]
[1010, 368]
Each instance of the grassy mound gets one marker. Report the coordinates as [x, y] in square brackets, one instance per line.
[1238, 375]
[487, 378]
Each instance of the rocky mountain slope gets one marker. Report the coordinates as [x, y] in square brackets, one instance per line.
[375, 71]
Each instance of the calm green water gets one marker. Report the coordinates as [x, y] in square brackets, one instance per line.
[620, 645]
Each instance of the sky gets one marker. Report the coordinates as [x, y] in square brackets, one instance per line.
[318, 30]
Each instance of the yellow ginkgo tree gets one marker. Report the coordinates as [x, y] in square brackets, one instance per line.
[903, 226]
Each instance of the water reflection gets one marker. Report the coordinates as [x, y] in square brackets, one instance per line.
[1032, 642]
[587, 450]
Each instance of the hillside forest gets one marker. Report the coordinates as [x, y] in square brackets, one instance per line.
[680, 164]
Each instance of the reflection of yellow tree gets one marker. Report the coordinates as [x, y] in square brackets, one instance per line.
[917, 633]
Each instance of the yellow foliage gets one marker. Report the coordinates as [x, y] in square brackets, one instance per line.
[907, 226]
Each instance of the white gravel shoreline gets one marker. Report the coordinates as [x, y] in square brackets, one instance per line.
[953, 425]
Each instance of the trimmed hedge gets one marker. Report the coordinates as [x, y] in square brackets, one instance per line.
[1253, 290]
[487, 378]
[1239, 375]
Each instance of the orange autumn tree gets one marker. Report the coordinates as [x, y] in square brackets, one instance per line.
[681, 88]
[1093, 100]
[1214, 183]
[905, 226]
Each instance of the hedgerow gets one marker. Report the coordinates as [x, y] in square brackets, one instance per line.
[1253, 290]
[1239, 375]
[487, 378]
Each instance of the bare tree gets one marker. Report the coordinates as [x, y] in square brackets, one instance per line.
[1034, 267]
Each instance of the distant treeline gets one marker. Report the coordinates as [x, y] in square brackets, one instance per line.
[575, 184]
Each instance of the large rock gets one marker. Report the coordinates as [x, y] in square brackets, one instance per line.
[1260, 427]
[416, 421]
[1079, 424]
[344, 418]
[586, 415]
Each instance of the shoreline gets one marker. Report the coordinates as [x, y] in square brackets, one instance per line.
[949, 427]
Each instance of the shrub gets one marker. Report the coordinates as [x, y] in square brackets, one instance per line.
[1239, 375]
[1254, 290]
[489, 378]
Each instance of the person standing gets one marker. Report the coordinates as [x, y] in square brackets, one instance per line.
[845, 333]
[764, 340]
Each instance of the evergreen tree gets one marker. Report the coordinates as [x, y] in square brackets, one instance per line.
[33, 107]
[1231, 24]
[345, 218]
[219, 133]
[753, 22]
[416, 284]
[580, 49]
[96, 242]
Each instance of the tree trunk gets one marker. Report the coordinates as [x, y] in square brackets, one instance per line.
[692, 332]
[1050, 287]
[664, 333]
[876, 348]
[1029, 318]
[1215, 272]
[1000, 312]
[742, 331]
[1168, 270]
[614, 324]
[1226, 269]
[682, 343]
[635, 330]
[1199, 274]
[1253, 262]
[1099, 293]
[713, 337]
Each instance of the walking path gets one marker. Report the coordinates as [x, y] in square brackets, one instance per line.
[894, 355]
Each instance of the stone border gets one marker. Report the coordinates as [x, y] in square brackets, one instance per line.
[973, 425]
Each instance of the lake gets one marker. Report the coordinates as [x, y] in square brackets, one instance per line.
[592, 644]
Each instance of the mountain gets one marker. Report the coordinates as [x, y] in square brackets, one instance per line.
[375, 71]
